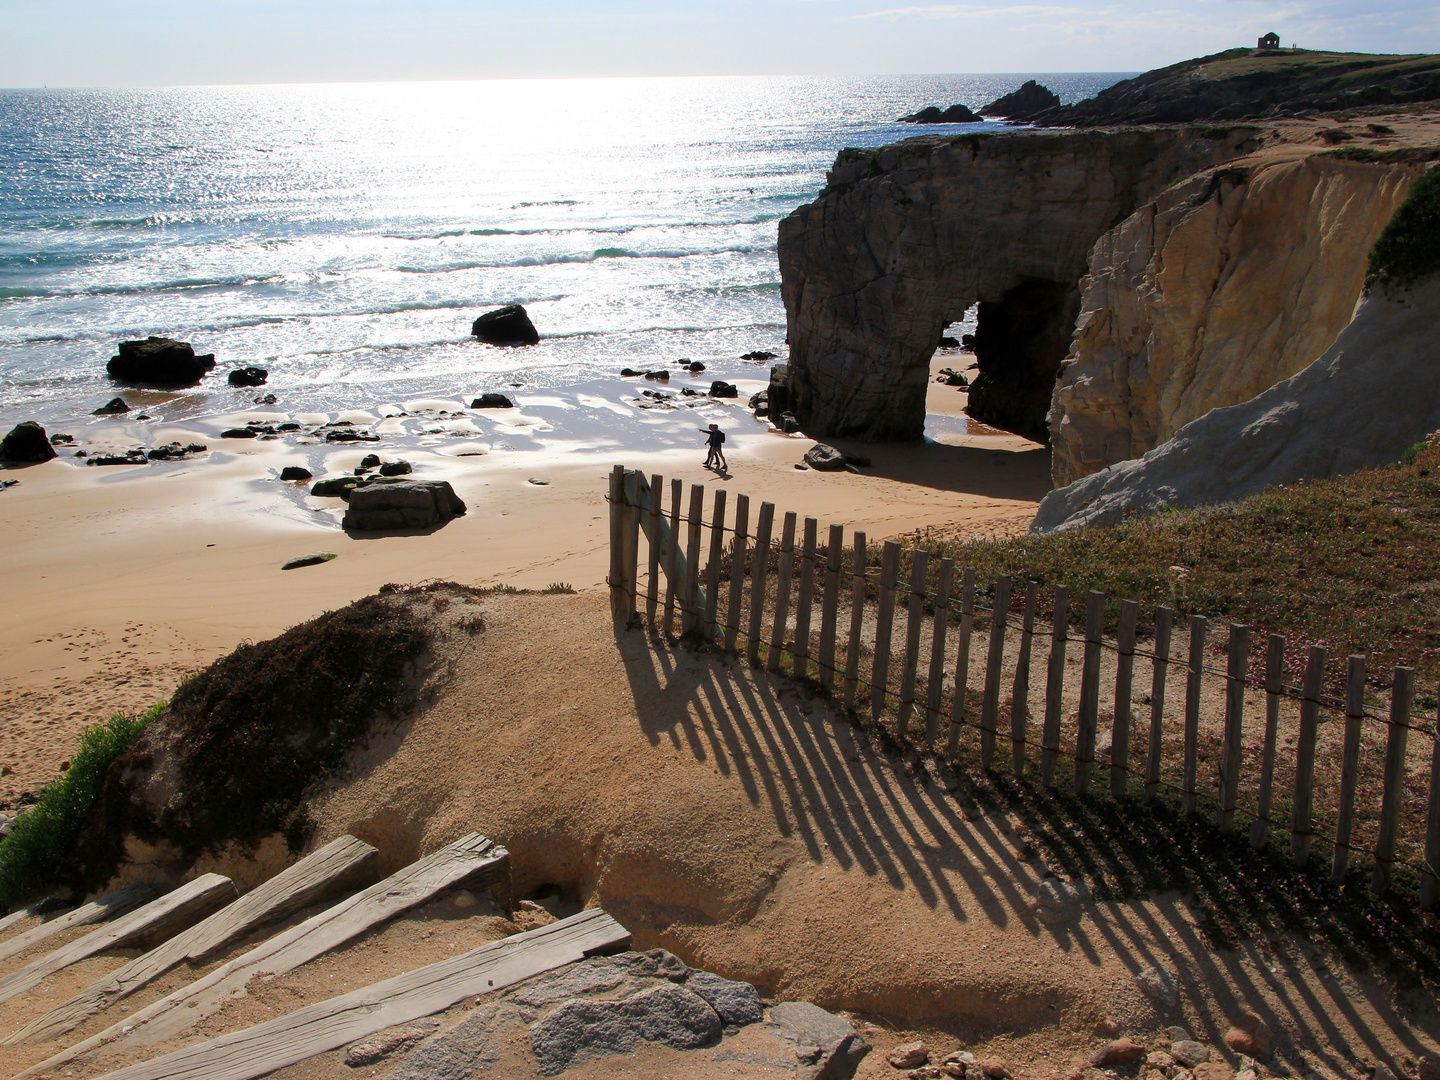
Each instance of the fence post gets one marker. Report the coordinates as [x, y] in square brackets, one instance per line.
[1430, 876]
[1274, 666]
[782, 592]
[1159, 675]
[672, 557]
[1303, 807]
[962, 662]
[857, 621]
[1124, 709]
[1402, 695]
[712, 568]
[994, 659]
[630, 558]
[935, 680]
[1020, 688]
[657, 497]
[737, 572]
[805, 600]
[1231, 744]
[759, 570]
[690, 619]
[617, 533]
[1089, 691]
[1198, 626]
[1349, 767]
[915, 617]
[884, 625]
[834, 559]
[1055, 685]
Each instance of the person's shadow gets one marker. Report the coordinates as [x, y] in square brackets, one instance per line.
[722, 472]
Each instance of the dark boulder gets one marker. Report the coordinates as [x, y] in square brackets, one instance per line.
[350, 435]
[295, 472]
[176, 451]
[289, 425]
[396, 468]
[26, 444]
[967, 341]
[239, 433]
[159, 361]
[696, 367]
[660, 375]
[268, 399]
[492, 401]
[249, 376]
[721, 389]
[61, 440]
[630, 373]
[111, 407]
[759, 355]
[824, 458]
[384, 504]
[313, 559]
[955, 114]
[949, 343]
[1024, 104]
[370, 461]
[136, 456]
[788, 424]
[778, 392]
[508, 325]
[335, 487]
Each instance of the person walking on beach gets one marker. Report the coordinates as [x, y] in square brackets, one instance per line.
[715, 438]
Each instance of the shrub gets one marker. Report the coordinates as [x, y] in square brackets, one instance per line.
[1409, 247]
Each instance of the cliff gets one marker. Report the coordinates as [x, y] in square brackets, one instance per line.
[1248, 84]
[1211, 293]
[908, 237]
[1372, 395]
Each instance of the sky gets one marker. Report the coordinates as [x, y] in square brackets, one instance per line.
[186, 42]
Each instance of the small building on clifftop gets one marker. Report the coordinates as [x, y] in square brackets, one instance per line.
[1269, 41]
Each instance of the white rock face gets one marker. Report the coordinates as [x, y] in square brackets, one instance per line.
[1373, 394]
[1212, 293]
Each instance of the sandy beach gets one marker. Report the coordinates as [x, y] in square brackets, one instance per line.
[122, 579]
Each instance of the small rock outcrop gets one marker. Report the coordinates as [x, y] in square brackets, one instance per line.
[112, 407]
[509, 325]
[825, 458]
[933, 114]
[1371, 396]
[159, 362]
[380, 505]
[492, 401]
[26, 444]
[1024, 104]
[827, 1047]
[248, 376]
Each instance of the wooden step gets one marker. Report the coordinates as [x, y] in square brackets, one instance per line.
[329, 1025]
[338, 865]
[470, 861]
[156, 921]
[107, 907]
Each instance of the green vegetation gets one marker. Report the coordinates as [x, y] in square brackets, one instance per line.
[1409, 248]
[1369, 155]
[974, 140]
[41, 851]
[559, 587]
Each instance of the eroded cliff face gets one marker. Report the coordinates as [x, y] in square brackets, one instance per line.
[909, 237]
[1210, 294]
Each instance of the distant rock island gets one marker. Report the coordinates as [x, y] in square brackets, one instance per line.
[1028, 102]
[932, 114]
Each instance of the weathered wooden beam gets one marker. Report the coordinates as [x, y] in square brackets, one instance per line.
[1124, 708]
[759, 572]
[652, 498]
[782, 593]
[1303, 806]
[1020, 687]
[1055, 686]
[1349, 767]
[1402, 696]
[884, 626]
[805, 599]
[1274, 668]
[1430, 875]
[914, 622]
[1196, 672]
[994, 659]
[1159, 677]
[737, 571]
[830, 607]
[1231, 743]
[107, 907]
[617, 529]
[712, 567]
[857, 622]
[1089, 691]
[935, 680]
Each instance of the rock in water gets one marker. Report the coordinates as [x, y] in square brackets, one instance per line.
[335, 487]
[492, 401]
[508, 325]
[250, 376]
[933, 114]
[396, 468]
[383, 504]
[720, 388]
[26, 444]
[112, 407]
[1023, 104]
[295, 472]
[160, 362]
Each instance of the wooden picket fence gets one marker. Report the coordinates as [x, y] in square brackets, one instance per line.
[743, 598]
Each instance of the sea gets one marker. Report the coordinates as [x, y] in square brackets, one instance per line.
[345, 236]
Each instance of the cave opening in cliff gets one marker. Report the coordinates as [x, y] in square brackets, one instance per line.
[1020, 341]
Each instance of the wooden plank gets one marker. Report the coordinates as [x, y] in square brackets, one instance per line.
[1089, 717]
[759, 570]
[962, 661]
[340, 864]
[857, 621]
[107, 907]
[1020, 687]
[829, 607]
[995, 657]
[782, 592]
[617, 526]
[630, 551]
[935, 680]
[1198, 625]
[1303, 805]
[1349, 767]
[52, 904]
[328, 1025]
[672, 558]
[1430, 875]
[712, 567]
[1159, 676]
[737, 571]
[1055, 686]
[1274, 669]
[884, 625]
[1124, 708]
[692, 611]
[656, 492]
[1402, 697]
[1231, 745]
[805, 599]
[156, 921]
[471, 860]
[914, 622]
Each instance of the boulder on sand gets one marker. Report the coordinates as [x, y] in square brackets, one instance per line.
[158, 361]
[508, 325]
[824, 458]
[248, 376]
[26, 444]
[1024, 104]
[492, 401]
[112, 407]
[383, 503]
